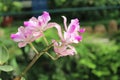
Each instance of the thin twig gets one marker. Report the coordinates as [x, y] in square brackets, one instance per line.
[53, 58]
[31, 45]
[45, 40]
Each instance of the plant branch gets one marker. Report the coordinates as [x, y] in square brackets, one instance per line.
[37, 56]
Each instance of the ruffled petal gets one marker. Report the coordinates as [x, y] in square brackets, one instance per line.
[33, 22]
[63, 49]
[16, 37]
[44, 19]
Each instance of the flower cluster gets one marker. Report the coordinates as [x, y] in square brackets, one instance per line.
[35, 27]
[32, 30]
[71, 35]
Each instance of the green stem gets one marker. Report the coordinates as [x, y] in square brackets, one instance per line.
[53, 58]
[45, 40]
[31, 45]
[37, 56]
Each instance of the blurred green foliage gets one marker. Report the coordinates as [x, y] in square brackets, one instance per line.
[116, 37]
[81, 3]
[10, 6]
[88, 15]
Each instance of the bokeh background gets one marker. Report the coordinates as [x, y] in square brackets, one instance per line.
[98, 55]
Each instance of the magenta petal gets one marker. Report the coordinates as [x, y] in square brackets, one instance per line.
[82, 30]
[78, 38]
[46, 16]
[26, 23]
[13, 36]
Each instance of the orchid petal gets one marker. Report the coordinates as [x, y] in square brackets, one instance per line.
[65, 22]
[73, 25]
[21, 44]
[44, 18]
[23, 36]
[16, 37]
[63, 49]
[33, 22]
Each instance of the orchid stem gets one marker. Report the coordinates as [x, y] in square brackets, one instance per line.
[37, 56]
[31, 64]
[34, 48]
[53, 58]
[45, 40]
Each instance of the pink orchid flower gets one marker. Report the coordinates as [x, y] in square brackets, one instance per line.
[23, 36]
[72, 33]
[33, 29]
[38, 25]
[62, 49]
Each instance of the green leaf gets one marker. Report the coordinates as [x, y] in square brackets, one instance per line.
[100, 73]
[0, 79]
[114, 67]
[88, 63]
[97, 73]
[115, 77]
[0, 42]
[6, 68]
[4, 55]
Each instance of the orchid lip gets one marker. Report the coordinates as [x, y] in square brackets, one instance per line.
[72, 28]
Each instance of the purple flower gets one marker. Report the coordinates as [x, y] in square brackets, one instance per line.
[71, 35]
[33, 29]
[23, 36]
[72, 32]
